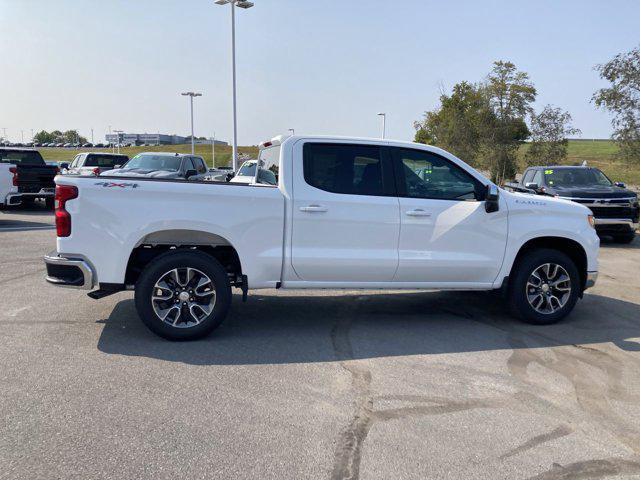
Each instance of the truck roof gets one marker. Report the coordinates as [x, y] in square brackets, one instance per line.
[559, 167]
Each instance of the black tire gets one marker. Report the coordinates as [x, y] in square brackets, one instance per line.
[518, 290]
[155, 270]
[624, 237]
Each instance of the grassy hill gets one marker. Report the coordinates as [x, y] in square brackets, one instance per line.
[598, 153]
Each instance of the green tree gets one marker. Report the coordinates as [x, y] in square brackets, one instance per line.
[510, 95]
[622, 99]
[549, 131]
[461, 124]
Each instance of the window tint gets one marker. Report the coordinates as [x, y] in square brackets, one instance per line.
[188, 164]
[21, 157]
[106, 161]
[528, 176]
[199, 164]
[74, 164]
[537, 178]
[427, 175]
[348, 169]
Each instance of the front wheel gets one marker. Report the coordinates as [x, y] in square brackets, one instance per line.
[544, 287]
[183, 295]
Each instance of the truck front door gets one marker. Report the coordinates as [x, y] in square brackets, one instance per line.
[346, 219]
[446, 235]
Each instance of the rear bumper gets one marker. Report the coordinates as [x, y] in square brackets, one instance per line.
[42, 193]
[68, 272]
[13, 199]
[591, 279]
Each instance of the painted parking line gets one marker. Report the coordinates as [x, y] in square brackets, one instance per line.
[24, 229]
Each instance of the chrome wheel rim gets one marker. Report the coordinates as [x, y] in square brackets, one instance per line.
[183, 297]
[548, 288]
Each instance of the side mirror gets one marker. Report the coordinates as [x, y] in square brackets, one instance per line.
[532, 186]
[117, 166]
[620, 184]
[190, 173]
[64, 166]
[230, 176]
[492, 199]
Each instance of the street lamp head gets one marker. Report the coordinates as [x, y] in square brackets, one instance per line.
[239, 3]
[382, 114]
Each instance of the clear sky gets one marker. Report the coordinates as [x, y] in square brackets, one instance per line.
[319, 66]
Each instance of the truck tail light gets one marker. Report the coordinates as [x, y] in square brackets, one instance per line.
[63, 218]
[14, 171]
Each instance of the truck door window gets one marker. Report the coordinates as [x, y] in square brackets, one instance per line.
[528, 176]
[199, 164]
[346, 169]
[537, 178]
[427, 175]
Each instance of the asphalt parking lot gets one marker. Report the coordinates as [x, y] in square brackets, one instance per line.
[319, 384]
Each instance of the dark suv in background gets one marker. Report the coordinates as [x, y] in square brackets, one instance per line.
[614, 207]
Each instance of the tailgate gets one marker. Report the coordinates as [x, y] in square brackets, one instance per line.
[32, 179]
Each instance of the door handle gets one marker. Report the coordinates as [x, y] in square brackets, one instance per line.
[418, 212]
[314, 208]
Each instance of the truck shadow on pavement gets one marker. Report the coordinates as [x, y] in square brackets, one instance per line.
[279, 329]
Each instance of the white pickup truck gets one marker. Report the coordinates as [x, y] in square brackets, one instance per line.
[346, 213]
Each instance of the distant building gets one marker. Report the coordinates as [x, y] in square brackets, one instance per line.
[153, 139]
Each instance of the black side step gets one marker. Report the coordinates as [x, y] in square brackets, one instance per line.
[106, 289]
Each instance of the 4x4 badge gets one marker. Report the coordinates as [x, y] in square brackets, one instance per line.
[120, 185]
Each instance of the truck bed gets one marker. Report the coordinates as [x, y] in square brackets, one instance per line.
[113, 216]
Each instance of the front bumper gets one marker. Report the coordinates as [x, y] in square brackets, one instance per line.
[591, 279]
[613, 224]
[68, 272]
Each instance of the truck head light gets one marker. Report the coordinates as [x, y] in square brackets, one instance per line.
[591, 221]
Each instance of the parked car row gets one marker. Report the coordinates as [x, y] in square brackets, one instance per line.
[57, 145]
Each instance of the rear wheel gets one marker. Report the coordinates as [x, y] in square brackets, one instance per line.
[624, 237]
[544, 287]
[183, 295]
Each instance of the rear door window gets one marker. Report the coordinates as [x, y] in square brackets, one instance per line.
[346, 169]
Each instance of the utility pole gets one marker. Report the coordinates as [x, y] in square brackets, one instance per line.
[191, 95]
[213, 150]
[118, 132]
[92, 135]
[384, 122]
[245, 5]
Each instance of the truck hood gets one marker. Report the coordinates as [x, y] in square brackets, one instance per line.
[592, 192]
[140, 172]
[542, 203]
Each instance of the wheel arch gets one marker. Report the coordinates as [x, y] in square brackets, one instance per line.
[162, 241]
[573, 249]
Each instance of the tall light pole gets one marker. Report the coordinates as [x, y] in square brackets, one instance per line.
[118, 132]
[191, 95]
[384, 122]
[242, 4]
[213, 151]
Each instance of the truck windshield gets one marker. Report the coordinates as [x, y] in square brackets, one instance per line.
[26, 157]
[154, 162]
[575, 177]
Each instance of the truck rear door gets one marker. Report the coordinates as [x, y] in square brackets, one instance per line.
[345, 215]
